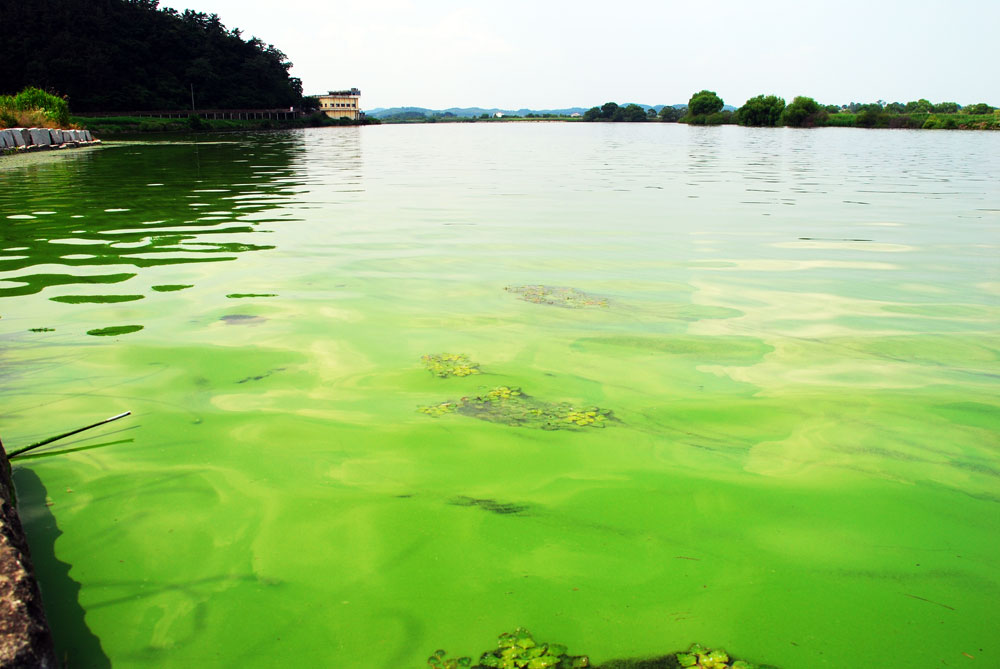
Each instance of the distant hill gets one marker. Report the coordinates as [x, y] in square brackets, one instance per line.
[401, 113]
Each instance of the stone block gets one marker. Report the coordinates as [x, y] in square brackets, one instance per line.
[40, 136]
[88, 136]
[56, 136]
[21, 136]
[6, 139]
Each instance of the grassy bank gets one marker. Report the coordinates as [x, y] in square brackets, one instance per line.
[111, 125]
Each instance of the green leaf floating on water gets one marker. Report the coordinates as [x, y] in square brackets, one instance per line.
[171, 287]
[237, 296]
[115, 330]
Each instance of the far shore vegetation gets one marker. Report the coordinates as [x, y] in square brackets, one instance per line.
[707, 108]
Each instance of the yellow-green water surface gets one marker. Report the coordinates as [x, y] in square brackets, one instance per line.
[791, 338]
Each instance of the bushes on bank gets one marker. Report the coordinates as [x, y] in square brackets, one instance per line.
[33, 107]
[761, 111]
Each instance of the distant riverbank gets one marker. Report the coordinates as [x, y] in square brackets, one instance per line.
[112, 125]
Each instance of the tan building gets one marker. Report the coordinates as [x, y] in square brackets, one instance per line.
[341, 104]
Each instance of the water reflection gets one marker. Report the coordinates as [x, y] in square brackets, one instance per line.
[95, 222]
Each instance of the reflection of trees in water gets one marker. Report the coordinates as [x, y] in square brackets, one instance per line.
[131, 207]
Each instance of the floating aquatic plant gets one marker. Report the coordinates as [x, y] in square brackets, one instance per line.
[699, 657]
[450, 364]
[518, 650]
[557, 296]
[441, 409]
[509, 405]
[439, 660]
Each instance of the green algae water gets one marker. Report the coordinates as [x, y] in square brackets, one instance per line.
[404, 388]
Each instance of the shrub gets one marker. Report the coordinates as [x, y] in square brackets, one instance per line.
[34, 107]
[803, 113]
[761, 111]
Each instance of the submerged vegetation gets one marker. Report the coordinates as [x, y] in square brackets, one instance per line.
[508, 405]
[557, 296]
[519, 650]
[444, 365]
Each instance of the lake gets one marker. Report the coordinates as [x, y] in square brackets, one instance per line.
[401, 388]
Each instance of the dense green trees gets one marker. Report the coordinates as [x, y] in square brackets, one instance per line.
[704, 103]
[119, 55]
[946, 108]
[672, 114]
[761, 111]
[803, 112]
[980, 108]
[610, 111]
[707, 108]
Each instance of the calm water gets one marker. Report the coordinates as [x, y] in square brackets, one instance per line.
[796, 332]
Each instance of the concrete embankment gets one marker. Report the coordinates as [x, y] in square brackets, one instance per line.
[25, 640]
[18, 140]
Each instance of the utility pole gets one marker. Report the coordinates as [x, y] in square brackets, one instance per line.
[192, 98]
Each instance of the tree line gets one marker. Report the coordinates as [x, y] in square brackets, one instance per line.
[123, 55]
[706, 108]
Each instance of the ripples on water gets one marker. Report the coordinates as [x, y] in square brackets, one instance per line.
[796, 332]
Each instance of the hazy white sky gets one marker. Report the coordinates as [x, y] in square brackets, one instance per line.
[553, 53]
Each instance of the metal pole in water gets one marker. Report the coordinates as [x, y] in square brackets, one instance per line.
[39, 444]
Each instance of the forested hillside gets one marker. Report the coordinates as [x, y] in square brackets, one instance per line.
[120, 55]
